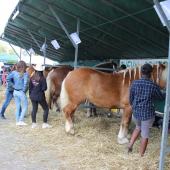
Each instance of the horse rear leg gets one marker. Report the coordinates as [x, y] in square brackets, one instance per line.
[123, 132]
[69, 111]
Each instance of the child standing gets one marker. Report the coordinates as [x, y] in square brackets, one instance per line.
[37, 87]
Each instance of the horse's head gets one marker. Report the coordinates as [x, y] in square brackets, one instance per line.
[159, 74]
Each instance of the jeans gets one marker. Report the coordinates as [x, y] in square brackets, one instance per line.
[8, 98]
[21, 103]
[44, 105]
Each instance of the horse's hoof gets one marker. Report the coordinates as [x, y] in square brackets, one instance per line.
[122, 141]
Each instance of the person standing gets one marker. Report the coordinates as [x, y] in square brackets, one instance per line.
[37, 87]
[8, 97]
[19, 80]
[142, 94]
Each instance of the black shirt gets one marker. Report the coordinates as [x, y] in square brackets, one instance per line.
[37, 88]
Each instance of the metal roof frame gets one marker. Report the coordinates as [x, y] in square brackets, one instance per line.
[108, 29]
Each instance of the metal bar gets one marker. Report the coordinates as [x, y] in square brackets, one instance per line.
[107, 33]
[61, 24]
[36, 42]
[26, 37]
[76, 49]
[164, 147]
[121, 27]
[133, 17]
[30, 59]
[15, 51]
[23, 46]
[51, 54]
[162, 14]
[20, 54]
[165, 118]
[44, 52]
[91, 37]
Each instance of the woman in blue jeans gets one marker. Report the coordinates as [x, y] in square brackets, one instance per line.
[19, 80]
[8, 97]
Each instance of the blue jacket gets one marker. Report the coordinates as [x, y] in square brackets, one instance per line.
[10, 84]
[18, 82]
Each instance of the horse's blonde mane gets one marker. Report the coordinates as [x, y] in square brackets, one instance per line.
[129, 70]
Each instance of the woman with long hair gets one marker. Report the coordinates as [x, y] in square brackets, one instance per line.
[37, 87]
[19, 81]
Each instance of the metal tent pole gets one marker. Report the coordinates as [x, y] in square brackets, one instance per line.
[76, 48]
[20, 54]
[44, 51]
[36, 42]
[61, 24]
[164, 145]
[15, 51]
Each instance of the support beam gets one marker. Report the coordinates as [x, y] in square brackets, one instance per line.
[38, 45]
[23, 46]
[20, 53]
[15, 51]
[61, 24]
[164, 140]
[76, 49]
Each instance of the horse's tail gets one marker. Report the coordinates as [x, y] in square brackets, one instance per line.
[64, 99]
[50, 89]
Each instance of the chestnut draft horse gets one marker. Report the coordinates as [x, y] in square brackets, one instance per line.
[54, 81]
[103, 90]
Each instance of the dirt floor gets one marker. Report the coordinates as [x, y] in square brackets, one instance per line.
[93, 147]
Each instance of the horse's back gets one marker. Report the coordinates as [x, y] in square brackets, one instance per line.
[54, 81]
[95, 86]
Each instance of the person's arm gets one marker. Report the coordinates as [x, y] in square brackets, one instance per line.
[44, 84]
[158, 94]
[26, 82]
[9, 80]
[131, 94]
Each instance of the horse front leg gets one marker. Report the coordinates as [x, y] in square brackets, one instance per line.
[69, 112]
[123, 132]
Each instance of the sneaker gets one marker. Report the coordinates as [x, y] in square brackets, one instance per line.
[34, 125]
[46, 125]
[21, 123]
[2, 117]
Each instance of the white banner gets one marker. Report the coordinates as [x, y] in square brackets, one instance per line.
[134, 63]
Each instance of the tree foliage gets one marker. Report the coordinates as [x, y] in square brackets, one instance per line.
[5, 49]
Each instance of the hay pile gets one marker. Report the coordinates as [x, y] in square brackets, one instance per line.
[93, 147]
